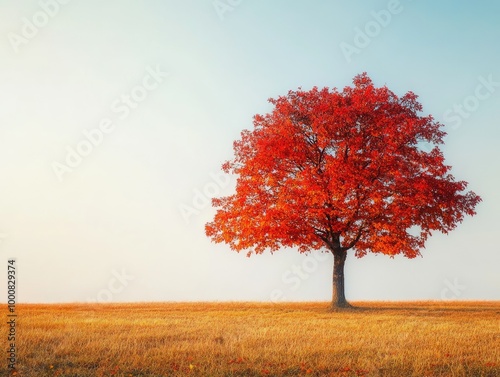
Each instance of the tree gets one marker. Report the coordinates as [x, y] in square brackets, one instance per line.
[340, 170]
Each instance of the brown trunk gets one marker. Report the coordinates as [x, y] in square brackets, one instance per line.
[338, 296]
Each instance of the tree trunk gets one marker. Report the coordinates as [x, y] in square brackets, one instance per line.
[338, 296]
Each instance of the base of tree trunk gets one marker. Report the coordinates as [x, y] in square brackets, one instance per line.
[340, 307]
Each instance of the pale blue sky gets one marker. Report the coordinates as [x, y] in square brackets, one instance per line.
[112, 228]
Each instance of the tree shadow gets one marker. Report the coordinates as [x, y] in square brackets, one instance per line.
[424, 308]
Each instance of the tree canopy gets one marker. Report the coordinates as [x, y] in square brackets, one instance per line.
[340, 170]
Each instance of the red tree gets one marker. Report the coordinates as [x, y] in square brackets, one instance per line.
[341, 171]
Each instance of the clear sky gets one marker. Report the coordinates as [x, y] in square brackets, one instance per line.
[116, 116]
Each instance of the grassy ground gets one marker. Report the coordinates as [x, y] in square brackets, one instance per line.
[256, 339]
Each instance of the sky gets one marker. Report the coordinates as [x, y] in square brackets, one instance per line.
[115, 118]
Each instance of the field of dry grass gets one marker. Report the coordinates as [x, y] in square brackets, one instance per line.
[257, 339]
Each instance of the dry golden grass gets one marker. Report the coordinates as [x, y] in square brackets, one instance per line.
[258, 339]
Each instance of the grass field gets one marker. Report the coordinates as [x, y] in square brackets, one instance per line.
[257, 339]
